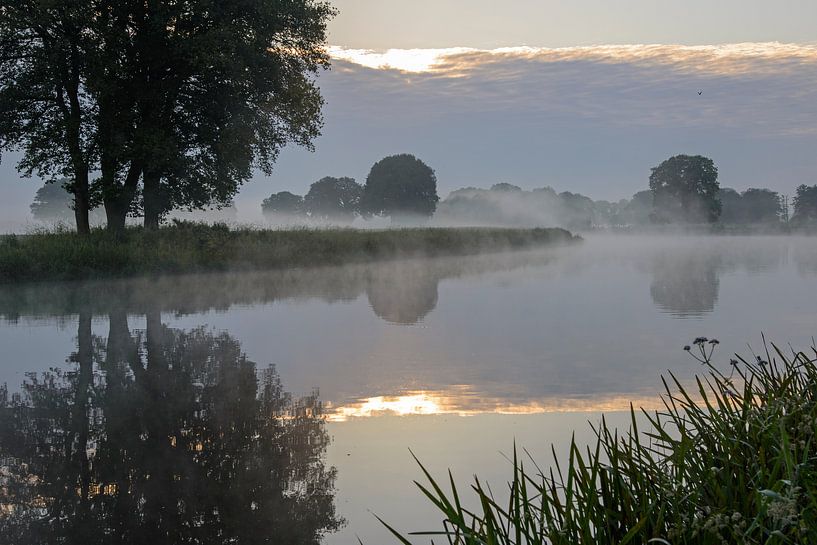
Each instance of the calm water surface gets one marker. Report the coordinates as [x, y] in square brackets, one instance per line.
[217, 407]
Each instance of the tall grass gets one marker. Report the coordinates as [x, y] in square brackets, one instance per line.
[193, 247]
[731, 460]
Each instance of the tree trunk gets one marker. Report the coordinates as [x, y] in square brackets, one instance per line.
[155, 337]
[120, 347]
[81, 202]
[121, 196]
[80, 424]
[115, 215]
[152, 200]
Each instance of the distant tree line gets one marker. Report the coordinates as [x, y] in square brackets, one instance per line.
[54, 204]
[682, 190]
[401, 187]
[143, 107]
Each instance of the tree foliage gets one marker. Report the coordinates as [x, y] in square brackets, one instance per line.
[400, 186]
[505, 186]
[750, 207]
[334, 199]
[283, 203]
[187, 97]
[53, 202]
[685, 189]
[805, 204]
[46, 109]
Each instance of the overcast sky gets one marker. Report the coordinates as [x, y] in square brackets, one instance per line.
[585, 106]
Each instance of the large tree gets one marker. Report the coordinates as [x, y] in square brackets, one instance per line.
[334, 199]
[284, 204]
[46, 110]
[226, 86]
[53, 202]
[685, 189]
[187, 97]
[761, 206]
[400, 186]
[805, 204]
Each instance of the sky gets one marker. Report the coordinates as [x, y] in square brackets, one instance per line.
[583, 96]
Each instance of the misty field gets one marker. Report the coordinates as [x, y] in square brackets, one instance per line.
[192, 247]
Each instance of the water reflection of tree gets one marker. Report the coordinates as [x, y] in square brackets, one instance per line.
[167, 436]
[402, 292]
[686, 283]
[399, 291]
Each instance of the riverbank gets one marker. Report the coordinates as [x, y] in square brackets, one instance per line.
[186, 247]
[730, 459]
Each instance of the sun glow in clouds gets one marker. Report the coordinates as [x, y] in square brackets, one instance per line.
[722, 58]
[405, 60]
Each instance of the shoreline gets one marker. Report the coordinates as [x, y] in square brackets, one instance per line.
[187, 247]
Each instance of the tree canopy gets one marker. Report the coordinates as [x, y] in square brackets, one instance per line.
[283, 203]
[400, 186]
[334, 199]
[186, 97]
[805, 204]
[53, 202]
[685, 189]
[751, 206]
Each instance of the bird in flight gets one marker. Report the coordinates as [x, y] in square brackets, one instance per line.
[700, 93]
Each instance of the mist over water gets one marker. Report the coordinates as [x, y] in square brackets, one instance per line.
[431, 353]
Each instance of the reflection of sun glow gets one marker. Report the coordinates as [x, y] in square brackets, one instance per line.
[462, 401]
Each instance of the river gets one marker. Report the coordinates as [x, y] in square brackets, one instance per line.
[233, 404]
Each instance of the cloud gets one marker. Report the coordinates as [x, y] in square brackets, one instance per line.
[762, 88]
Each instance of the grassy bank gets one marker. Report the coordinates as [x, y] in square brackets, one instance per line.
[190, 247]
[732, 461]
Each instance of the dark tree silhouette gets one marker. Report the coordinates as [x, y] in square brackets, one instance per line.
[334, 199]
[166, 437]
[751, 206]
[504, 186]
[685, 189]
[284, 204]
[45, 107]
[731, 205]
[761, 206]
[400, 186]
[185, 96]
[805, 205]
[638, 209]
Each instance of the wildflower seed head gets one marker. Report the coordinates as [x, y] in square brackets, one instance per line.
[699, 340]
[686, 347]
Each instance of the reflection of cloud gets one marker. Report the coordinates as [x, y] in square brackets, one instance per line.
[770, 87]
[462, 400]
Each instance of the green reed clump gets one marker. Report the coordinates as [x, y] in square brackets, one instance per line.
[180, 247]
[731, 459]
